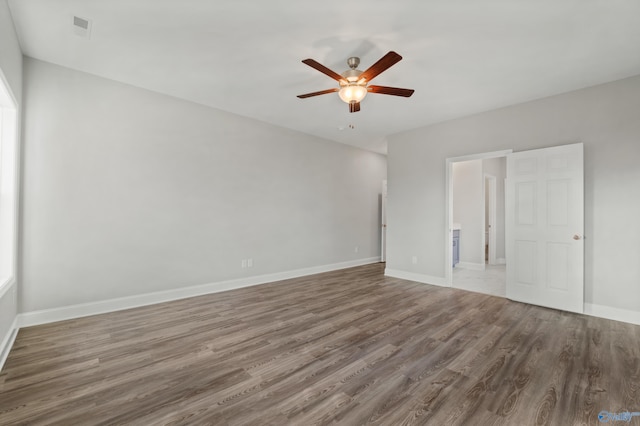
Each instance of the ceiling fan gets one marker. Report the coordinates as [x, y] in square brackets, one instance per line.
[354, 83]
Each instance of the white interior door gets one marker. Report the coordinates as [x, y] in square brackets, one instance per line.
[544, 227]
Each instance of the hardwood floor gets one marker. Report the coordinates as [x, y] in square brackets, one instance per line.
[347, 347]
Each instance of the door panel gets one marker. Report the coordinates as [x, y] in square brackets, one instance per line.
[558, 202]
[526, 203]
[558, 262]
[544, 211]
[525, 262]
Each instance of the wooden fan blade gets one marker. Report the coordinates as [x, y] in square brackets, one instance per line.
[395, 91]
[318, 66]
[383, 64]
[354, 106]
[322, 92]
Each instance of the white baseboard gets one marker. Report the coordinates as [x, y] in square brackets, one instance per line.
[45, 316]
[86, 309]
[615, 314]
[470, 265]
[7, 342]
[412, 276]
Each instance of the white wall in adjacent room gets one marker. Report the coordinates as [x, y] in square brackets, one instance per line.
[498, 167]
[467, 210]
[604, 118]
[128, 192]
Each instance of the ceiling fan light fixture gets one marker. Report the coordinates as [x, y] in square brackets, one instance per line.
[352, 92]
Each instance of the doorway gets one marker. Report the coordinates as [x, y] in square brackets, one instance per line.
[475, 219]
[544, 225]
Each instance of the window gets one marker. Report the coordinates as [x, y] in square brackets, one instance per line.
[8, 184]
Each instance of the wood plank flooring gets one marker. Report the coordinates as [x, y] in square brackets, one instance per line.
[348, 347]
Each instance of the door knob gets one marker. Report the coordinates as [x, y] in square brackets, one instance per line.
[577, 237]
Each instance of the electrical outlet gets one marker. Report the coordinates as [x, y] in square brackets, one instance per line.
[249, 263]
[414, 260]
[356, 249]
[244, 263]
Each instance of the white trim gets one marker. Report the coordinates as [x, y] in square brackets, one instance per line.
[45, 316]
[412, 276]
[470, 265]
[6, 84]
[4, 287]
[481, 156]
[7, 342]
[10, 182]
[383, 224]
[616, 314]
[76, 311]
[448, 231]
[501, 261]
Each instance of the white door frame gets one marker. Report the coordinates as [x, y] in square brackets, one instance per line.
[448, 202]
[383, 224]
[489, 183]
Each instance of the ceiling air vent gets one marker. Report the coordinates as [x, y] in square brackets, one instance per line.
[81, 27]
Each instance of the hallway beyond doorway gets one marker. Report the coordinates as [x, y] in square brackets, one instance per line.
[492, 280]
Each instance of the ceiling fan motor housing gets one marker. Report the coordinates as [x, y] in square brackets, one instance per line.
[351, 75]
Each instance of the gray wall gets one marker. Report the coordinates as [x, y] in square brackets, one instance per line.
[604, 118]
[11, 67]
[127, 192]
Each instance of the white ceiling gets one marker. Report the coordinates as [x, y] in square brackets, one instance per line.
[461, 56]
